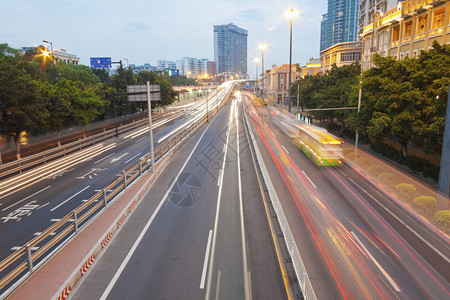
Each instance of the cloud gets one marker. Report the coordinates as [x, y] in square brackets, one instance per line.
[135, 26]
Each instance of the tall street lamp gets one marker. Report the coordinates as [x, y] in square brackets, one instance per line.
[262, 47]
[291, 15]
[51, 55]
[256, 60]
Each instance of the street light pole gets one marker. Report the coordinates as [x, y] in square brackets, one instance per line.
[150, 124]
[53, 57]
[359, 108]
[298, 95]
[262, 47]
[290, 61]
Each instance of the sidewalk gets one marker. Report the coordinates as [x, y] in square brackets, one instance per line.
[56, 278]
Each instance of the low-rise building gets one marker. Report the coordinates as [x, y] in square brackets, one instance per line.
[144, 67]
[63, 56]
[405, 30]
[312, 67]
[340, 55]
[276, 82]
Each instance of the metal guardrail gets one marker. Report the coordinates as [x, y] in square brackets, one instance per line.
[18, 266]
[31, 161]
[299, 267]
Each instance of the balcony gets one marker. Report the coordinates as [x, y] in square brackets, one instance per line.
[419, 37]
[436, 32]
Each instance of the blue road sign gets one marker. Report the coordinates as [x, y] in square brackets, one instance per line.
[101, 62]
[249, 86]
[175, 72]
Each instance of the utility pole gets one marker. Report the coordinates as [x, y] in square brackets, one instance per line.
[150, 124]
[359, 108]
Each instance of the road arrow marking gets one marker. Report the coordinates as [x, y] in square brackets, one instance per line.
[118, 158]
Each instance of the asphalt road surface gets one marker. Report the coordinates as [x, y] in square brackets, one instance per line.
[33, 201]
[349, 249]
[190, 237]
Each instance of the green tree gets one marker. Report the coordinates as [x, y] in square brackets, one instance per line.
[19, 101]
[58, 105]
[406, 99]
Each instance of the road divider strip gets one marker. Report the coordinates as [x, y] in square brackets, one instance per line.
[299, 267]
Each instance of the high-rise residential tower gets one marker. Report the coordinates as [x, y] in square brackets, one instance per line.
[230, 48]
[340, 23]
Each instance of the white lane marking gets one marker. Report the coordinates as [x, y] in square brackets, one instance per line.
[62, 203]
[241, 212]
[285, 149]
[26, 198]
[39, 233]
[104, 158]
[220, 176]
[133, 157]
[273, 133]
[386, 275]
[216, 221]
[137, 141]
[205, 263]
[119, 158]
[307, 177]
[150, 221]
[17, 248]
[223, 150]
[55, 220]
[43, 205]
[403, 223]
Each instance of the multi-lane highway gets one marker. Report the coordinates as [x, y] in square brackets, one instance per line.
[361, 255]
[32, 201]
[201, 232]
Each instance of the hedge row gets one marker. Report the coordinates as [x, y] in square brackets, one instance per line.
[415, 163]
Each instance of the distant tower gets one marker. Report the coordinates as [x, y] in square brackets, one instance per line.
[340, 23]
[230, 48]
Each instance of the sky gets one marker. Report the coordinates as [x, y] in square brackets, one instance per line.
[144, 31]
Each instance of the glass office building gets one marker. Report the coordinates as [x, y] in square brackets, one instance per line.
[340, 24]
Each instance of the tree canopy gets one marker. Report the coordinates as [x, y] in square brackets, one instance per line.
[37, 91]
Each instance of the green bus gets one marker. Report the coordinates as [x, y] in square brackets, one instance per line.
[322, 148]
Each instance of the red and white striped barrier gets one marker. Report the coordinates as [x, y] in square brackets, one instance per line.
[87, 264]
[106, 239]
[65, 293]
[120, 222]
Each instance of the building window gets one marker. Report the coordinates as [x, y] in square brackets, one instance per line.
[408, 29]
[352, 56]
[421, 24]
[438, 18]
[395, 33]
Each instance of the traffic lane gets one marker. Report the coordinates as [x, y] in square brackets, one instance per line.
[47, 201]
[264, 274]
[228, 270]
[321, 279]
[432, 263]
[413, 275]
[425, 241]
[174, 245]
[367, 231]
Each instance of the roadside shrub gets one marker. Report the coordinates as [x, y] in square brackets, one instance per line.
[375, 169]
[442, 218]
[386, 177]
[406, 190]
[425, 203]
